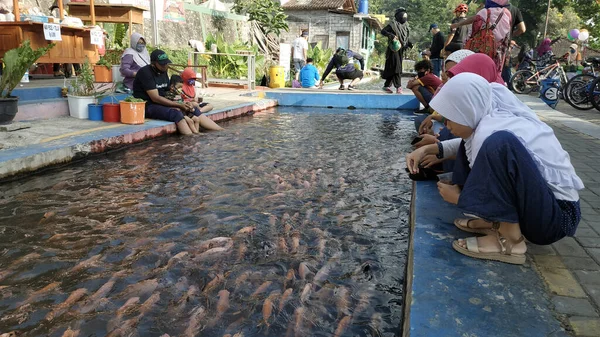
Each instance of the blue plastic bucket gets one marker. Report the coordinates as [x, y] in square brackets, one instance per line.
[95, 112]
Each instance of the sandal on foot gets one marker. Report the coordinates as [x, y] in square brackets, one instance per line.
[505, 255]
[463, 225]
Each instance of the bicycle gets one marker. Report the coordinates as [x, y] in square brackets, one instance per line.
[594, 93]
[525, 81]
[577, 90]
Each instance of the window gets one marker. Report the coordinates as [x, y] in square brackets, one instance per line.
[342, 40]
[324, 39]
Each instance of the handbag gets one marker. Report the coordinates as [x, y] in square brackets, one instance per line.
[483, 41]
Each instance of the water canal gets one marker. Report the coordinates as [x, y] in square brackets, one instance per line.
[292, 222]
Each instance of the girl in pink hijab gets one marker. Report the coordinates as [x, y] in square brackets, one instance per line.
[479, 64]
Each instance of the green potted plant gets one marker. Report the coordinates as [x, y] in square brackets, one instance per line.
[82, 92]
[16, 62]
[103, 71]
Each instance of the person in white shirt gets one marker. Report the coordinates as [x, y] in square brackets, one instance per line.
[299, 52]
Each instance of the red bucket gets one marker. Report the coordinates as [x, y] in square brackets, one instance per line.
[111, 112]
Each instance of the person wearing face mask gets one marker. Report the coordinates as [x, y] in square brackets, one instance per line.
[396, 31]
[424, 85]
[151, 84]
[134, 58]
[574, 57]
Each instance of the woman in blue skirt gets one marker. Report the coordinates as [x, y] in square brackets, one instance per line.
[521, 184]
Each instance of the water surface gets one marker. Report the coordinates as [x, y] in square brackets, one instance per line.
[292, 222]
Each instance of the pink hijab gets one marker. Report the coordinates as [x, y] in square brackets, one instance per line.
[479, 64]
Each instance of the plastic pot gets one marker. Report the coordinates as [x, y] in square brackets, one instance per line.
[132, 113]
[8, 109]
[95, 112]
[111, 112]
[78, 106]
[102, 74]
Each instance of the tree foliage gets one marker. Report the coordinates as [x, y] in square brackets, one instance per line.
[268, 13]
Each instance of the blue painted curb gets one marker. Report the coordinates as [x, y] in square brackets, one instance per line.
[455, 295]
[35, 94]
[344, 100]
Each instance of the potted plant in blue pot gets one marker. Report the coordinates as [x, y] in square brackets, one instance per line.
[16, 62]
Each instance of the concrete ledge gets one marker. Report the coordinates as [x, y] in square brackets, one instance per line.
[42, 109]
[343, 100]
[454, 295]
[69, 147]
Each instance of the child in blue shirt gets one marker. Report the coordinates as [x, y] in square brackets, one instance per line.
[309, 75]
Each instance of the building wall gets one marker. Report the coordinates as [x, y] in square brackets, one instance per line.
[323, 26]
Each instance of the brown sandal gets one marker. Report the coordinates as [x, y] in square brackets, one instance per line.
[463, 225]
[505, 254]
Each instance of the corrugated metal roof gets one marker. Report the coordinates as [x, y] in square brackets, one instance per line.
[314, 4]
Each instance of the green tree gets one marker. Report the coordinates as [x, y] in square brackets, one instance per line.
[268, 13]
[559, 23]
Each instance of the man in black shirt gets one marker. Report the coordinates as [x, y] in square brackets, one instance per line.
[151, 84]
[437, 44]
[517, 28]
[457, 35]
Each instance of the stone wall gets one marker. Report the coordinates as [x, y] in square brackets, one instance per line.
[323, 27]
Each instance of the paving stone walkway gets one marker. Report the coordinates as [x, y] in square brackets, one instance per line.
[571, 267]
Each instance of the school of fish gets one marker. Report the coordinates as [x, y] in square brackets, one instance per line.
[243, 238]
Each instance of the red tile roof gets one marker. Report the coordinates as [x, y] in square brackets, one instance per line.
[315, 4]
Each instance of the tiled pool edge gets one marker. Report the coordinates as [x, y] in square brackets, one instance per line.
[453, 295]
[17, 162]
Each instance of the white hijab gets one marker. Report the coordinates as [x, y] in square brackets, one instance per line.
[141, 59]
[468, 99]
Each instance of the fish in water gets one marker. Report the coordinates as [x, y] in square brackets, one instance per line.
[305, 295]
[290, 277]
[69, 333]
[342, 300]
[304, 271]
[92, 302]
[176, 258]
[149, 303]
[195, 322]
[126, 328]
[68, 303]
[282, 245]
[218, 279]
[267, 309]
[375, 324]
[140, 288]
[287, 295]
[242, 249]
[215, 242]
[91, 262]
[241, 279]
[344, 322]
[129, 305]
[295, 242]
[263, 287]
[212, 253]
[222, 306]
[246, 230]
[40, 293]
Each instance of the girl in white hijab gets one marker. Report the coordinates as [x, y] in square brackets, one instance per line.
[521, 179]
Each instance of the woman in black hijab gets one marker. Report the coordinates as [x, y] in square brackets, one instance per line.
[397, 29]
